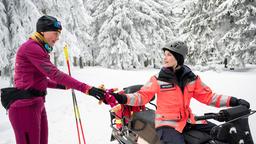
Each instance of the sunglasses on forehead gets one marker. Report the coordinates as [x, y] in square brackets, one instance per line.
[57, 24]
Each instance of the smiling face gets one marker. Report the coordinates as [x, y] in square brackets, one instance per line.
[169, 60]
[51, 37]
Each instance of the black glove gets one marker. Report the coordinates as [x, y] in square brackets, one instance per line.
[244, 103]
[235, 102]
[121, 98]
[97, 93]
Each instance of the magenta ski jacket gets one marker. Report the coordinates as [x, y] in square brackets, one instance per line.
[34, 70]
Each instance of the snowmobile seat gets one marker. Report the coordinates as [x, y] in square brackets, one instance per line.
[196, 137]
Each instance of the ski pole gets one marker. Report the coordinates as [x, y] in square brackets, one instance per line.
[75, 105]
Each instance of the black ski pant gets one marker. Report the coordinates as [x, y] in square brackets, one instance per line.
[169, 135]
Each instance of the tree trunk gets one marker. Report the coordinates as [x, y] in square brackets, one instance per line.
[81, 63]
[55, 59]
[75, 61]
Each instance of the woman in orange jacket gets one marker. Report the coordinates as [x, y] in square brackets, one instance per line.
[175, 85]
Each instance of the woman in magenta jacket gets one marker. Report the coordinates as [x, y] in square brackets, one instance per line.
[34, 73]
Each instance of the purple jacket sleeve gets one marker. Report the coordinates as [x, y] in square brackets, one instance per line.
[51, 84]
[41, 60]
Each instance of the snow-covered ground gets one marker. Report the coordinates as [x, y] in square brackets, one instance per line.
[95, 117]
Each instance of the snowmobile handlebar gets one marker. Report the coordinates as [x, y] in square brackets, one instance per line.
[207, 116]
[229, 114]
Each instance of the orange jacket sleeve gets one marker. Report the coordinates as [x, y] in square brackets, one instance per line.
[205, 95]
[144, 95]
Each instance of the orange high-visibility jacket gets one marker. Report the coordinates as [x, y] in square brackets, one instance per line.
[172, 104]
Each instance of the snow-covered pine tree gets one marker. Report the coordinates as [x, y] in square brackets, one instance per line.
[239, 38]
[18, 20]
[4, 38]
[129, 33]
[216, 29]
[197, 28]
[75, 21]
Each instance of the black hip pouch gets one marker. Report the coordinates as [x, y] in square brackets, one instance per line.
[11, 94]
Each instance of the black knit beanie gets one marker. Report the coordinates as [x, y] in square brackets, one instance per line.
[48, 23]
[179, 58]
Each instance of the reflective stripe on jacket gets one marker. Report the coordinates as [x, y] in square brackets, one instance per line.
[173, 105]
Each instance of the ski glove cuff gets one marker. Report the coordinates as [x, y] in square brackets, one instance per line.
[59, 86]
[97, 93]
[235, 102]
[121, 98]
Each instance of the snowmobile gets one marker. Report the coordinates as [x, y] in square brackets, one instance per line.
[137, 127]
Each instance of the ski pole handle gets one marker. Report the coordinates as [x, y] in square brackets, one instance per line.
[67, 58]
[66, 52]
